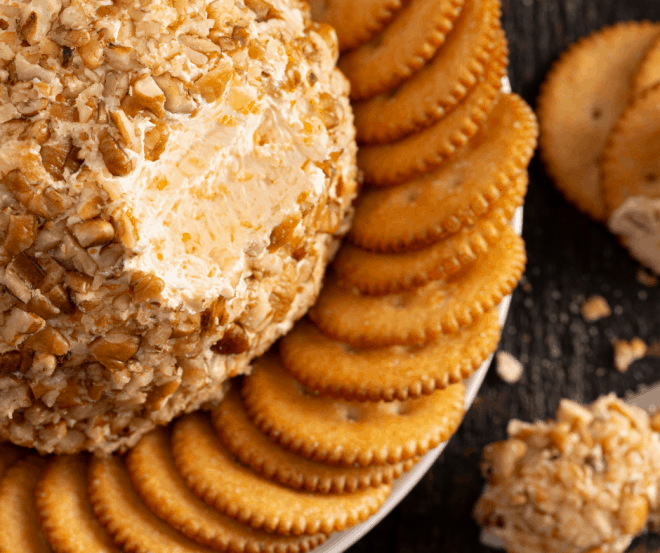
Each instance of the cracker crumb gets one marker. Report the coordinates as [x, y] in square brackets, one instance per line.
[646, 278]
[595, 308]
[509, 368]
[627, 352]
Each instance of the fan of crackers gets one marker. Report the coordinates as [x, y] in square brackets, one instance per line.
[599, 112]
[312, 440]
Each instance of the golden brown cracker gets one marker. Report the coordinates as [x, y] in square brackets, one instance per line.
[507, 136]
[412, 38]
[20, 530]
[581, 99]
[422, 314]
[467, 69]
[355, 22]
[334, 430]
[426, 209]
[152, 471]
[631, 159]
[648, 71]
[374, 273]
[397, 372]
[214, 474]
[255, 450]
[64, 509]
[126, 518]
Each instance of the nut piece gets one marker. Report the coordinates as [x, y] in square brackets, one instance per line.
[116, 160]
[508, 368]
[94, 233]
[177, 101]
[626, 353]
[145, 95]
[114, 350]
[595, 308]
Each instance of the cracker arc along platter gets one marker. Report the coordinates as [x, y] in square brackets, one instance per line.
[341, 541]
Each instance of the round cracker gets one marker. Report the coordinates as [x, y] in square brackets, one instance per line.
[398, 372]
[631, 159]
[510, 128]
[255, 450]
[20, 530]
[154, 475]
[355, 22]
[580, 101]
[66, 514]
[346, 432]
[648, 71]
[422, 211]
[374, 273]
[422, 314]
[126, 518]
[214, 474]
[412, 38]
[471, 63]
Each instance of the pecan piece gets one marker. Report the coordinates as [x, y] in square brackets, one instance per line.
[96, 232]
[116, 160]
[114, 350]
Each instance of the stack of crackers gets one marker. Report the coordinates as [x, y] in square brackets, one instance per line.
[311, 441]
[599, 111]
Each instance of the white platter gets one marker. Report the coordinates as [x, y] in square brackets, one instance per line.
[341, 541]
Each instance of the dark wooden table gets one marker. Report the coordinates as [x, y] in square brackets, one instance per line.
[570, 258]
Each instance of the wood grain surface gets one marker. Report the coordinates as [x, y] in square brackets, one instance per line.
[570, 259]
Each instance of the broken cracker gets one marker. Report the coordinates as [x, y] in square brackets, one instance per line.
[154, 475]
[412, 38]
[466, 72]
[215, 474]
[334, 368]
[257, 451]
[332, 430]
[581, 99]
[418, 316]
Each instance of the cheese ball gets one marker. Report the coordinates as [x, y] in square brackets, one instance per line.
[174, 177]
[586, 482]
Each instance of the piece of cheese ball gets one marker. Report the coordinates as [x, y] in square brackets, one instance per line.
[586, 482]
[174, 177]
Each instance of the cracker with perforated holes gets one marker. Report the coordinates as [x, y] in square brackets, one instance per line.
[581, 100]
[255, 450]
[412, 38]
[397, 372]
[420, 315]
[502, 147]
[469, 65]
[346, 432]
[376, 273]
[222, 481]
